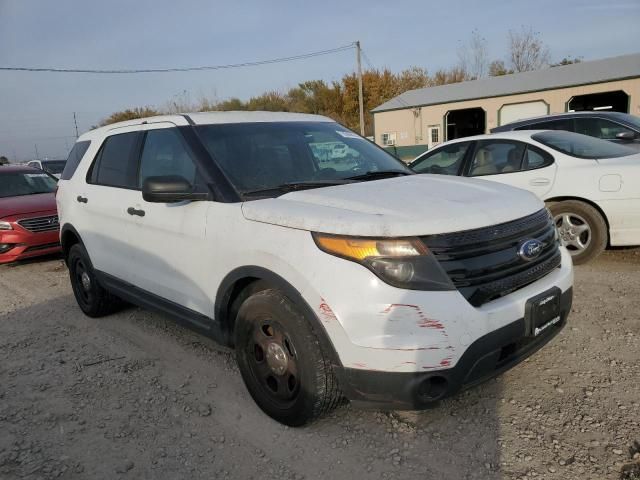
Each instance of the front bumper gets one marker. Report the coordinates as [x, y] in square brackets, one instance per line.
[28, 244]
[485, 358]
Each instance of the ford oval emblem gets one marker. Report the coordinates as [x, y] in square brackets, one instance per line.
[530, 249]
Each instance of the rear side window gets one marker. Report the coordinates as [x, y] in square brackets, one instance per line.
[76, 154]
[536, 158]
[496, 156]
[116, 164]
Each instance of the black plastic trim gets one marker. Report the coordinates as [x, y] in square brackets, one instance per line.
[485, 358]
[225, 291]
[215, 178]
[151, 301]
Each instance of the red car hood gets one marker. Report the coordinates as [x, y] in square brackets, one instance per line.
[24, 204]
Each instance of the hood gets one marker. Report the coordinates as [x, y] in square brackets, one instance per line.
[24, 204]
[397, 207]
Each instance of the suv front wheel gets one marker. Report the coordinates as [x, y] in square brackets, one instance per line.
[281, 360]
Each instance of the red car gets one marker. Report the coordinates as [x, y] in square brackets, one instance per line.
[28, 215]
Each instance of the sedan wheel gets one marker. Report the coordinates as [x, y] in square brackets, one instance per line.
[581, 228]
[574, 232]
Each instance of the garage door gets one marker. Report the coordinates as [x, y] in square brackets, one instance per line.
[520, 111]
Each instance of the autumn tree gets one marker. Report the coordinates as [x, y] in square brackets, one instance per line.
[527, 51]
[130, 114]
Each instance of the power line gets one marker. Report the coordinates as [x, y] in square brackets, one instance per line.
[185, 69]
[367, 60]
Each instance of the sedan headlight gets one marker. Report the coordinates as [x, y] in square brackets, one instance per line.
[5, 226]
[403, 262]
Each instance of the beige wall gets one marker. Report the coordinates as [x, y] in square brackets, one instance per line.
[410, 125]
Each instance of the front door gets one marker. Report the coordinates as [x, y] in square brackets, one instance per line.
[170, 237]
[433, 136]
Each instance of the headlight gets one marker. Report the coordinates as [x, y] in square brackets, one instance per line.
[5, 226]
[403, 263]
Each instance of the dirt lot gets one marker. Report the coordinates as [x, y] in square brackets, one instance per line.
[136, 396]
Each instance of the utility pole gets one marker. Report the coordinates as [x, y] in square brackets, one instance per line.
[360, 103]
[37, 154]
[76, 123]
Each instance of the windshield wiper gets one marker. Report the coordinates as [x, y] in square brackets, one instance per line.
[294, 186]
[373, 175]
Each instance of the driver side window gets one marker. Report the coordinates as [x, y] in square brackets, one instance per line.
[165, 154]
[446, 160]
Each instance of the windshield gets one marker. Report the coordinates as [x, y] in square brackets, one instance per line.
[630, 119]
[262, 156]
[15, 184]
[582, 146]
[56, 166]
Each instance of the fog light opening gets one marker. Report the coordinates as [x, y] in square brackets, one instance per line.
[433, 388]
[5, 247]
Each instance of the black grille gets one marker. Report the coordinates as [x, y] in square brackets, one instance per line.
[484, 263]
[40, 224]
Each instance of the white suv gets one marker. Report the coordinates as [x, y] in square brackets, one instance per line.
[362, 281]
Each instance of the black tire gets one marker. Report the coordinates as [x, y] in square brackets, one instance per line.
[92, 299]
[597, 234]
[281, 360]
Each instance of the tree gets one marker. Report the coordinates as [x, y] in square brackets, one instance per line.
[4, 160]
[473, 57]
[498, 68]
[567, 61]
[527, 51]
[130, 114]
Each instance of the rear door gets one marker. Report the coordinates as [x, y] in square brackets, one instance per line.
[514, 163]
[102, 201]
[170, 238]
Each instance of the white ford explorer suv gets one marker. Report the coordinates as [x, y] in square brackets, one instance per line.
[354, 278]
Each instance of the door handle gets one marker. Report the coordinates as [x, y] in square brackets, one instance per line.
[540, 182]
[135, 211]
[82, 199]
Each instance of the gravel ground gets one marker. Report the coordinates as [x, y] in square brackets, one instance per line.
[134, 395]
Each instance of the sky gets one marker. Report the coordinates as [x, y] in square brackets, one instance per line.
[36, 109]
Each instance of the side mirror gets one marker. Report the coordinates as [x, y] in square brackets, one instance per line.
[626, 136]
[169, 189]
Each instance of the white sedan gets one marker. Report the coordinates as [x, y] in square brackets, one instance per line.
[591, 186]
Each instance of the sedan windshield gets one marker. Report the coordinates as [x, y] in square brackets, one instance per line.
[15, 184]
[582, 146]
[268, 159]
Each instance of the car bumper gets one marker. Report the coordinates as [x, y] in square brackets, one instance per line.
[27, 244]
[485, 358]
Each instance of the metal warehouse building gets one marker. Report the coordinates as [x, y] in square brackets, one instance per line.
[419, 119]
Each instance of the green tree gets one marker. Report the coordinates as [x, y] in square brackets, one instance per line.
[4, 160]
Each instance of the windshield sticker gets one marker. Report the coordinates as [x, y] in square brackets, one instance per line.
[348, 134]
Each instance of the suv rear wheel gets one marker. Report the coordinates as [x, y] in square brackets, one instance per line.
[581, 228]
[281, 360]
[92, 299]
